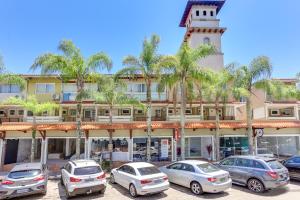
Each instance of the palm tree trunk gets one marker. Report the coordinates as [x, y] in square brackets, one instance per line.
[217, 134]
[149, 115]
[33, 139]
[80, 88]
[249, 127]
[110, 135]
[182, 119]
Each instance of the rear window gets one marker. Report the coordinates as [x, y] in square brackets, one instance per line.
[148, 170]
[24, 174]
[87, 170]
[207, 168]
[274, 164]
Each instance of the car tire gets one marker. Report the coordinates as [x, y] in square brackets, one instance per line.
[255, 185]
[61, 180]
[132, 191]
[102, 191]
[196, 188]
[112, 179]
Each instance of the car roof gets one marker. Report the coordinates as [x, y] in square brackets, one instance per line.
[253, 157]
[139, 164]
[83, 163]
[192, 162]
[26, 166]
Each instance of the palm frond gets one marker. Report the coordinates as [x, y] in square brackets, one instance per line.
[100, 61]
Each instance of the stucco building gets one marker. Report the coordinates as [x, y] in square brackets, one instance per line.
[56, 130]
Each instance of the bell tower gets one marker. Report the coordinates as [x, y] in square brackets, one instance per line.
[202, 27]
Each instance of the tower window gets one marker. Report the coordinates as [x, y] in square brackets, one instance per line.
[197, 13]
[206, 40]
[204, 13]
[211, 13]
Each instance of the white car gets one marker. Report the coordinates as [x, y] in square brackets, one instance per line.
[83, 177]
[199, 176]
[140, 178]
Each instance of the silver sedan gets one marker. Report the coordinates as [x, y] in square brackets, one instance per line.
[199, 176]
[24, 179]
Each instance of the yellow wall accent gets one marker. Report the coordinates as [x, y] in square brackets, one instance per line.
[31, 87]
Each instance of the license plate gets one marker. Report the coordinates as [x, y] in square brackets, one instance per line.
[89, 180]
[22, 191]
[157, 181]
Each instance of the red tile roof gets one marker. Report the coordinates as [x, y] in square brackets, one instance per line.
[21, 126]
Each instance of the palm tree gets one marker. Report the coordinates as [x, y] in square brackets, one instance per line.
[111, 92]
[146, 66]
[9, 78]
[218, 91]
[181, 71]
[71, 65]
[247, 79]
[32, 104]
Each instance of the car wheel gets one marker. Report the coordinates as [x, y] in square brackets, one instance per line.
[61, 180]
[196, 188]
[255, 185]
[112, 179]
[68, 195]
[132, 190]
[102, 191]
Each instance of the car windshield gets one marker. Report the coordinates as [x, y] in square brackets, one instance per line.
[24, 173]
[87, 170]
[148, 170]
[274, 164]
[207, 168]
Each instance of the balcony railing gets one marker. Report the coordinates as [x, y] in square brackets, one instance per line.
[10, 119]
[143, 96]
[43, 119]
[153, 118]
[187, 117]
[105, 119]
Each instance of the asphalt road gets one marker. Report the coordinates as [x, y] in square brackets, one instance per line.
[115, 192]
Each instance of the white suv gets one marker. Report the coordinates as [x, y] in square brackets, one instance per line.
[83, 177]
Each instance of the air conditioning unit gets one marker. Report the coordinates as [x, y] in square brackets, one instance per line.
[56, 97]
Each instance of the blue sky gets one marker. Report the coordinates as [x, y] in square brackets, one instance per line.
[254, 27]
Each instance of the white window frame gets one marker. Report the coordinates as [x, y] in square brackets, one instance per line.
[45, 85]
[274, 109]
[129, 112]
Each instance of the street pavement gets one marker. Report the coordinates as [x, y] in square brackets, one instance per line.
[115, 192]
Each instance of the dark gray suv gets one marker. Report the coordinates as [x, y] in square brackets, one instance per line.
[258, 173]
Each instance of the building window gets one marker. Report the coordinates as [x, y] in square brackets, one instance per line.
[2, 113]
[29, 113]
[197, 13]
[21, 112]
[204, 13]
[12, 112]
[45, 88]
[10, 88]
[233, 146]
[73, 112]
[188, 111]
[206, 40]
[126, 112]
[212, 13]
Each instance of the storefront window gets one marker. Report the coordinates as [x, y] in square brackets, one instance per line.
[233, 146]
[100, 151]
[196, 147]
[278, 146]
[161, 149]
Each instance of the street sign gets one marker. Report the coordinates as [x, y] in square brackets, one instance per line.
[259, 132]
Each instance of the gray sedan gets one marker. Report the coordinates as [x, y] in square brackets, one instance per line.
[25, 179]
[199, 176]
[258, 173]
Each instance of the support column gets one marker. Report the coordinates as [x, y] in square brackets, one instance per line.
[130, 146]
[86, 146]
[213, 148]
[1, 152]
[89, 148]
[45, 153]
[67, 153]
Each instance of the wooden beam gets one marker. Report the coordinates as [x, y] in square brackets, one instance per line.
[43, 134]
[2, 135]
[87, 134]
[130, 133]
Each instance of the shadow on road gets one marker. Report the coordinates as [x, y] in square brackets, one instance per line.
[270, 193]
[188, 192]
[125, 192]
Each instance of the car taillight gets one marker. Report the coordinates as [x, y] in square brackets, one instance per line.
[102, 176]
[40, 178]
[74, 180]
[212, 179]
[273, 175]
[146, 181]
[7, 182]
[165, 178]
